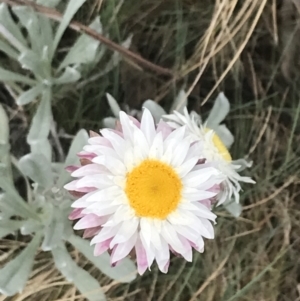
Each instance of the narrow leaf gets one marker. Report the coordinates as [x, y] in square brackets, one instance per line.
[9, 76]
[41, 122]
[219, 111]
[113, 105]
[71, 10]
[9, 24]
[85, 48]
[30, 20]
[77, 145]
[42, 146]
[14, 275]
[180, 102]
[85, 283]
[31, 61]
[4, 127]
[8, 50]
[233, 208]
[70, 75]
[9, 226]
[12, 200]
[125, 271]
[37, 168]
[156, 110]
[29, 95]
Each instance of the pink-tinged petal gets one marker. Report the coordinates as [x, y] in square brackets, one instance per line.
[71, 168]
[76, 214]
[188, 253]
[207, 203]
[72, 185]
[101, 247]
[76, 194]
[88, 221]
[86, 155]
[123, 249]
[99, 141]
[91, 232]
[164, 128]
[162, 257]
[135, 121]
[141, 257]
[93, 134]
[90, 169]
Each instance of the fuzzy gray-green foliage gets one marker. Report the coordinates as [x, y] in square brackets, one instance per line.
[44, 214]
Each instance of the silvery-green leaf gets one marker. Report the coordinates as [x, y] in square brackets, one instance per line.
[5, 206]
[29, 19]
[109, 122]
[9, 226]
[69, 13]
[30, 226]
[70, 75]
[42, 146]
[48, 3]
[218, 112]
[12, 199]
[41, 122]
[85, 48]
[53, 232]
[10, 25]
[180, 102]
[225, 135]
[125, 271]
[46, 32]
[113, 105]
[79, 141]
[14, 275]
[4, 128]
[31, 61]
[155, 109]
[29, 95]
[233, 208]
[85, 283]
[9, 76]
[37, 168]
[8, 50]
[116, 56]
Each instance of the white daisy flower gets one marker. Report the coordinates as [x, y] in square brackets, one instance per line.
[217, 138]
[144, 188]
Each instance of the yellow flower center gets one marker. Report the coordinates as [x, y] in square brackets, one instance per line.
[153, 189]
[223, 151]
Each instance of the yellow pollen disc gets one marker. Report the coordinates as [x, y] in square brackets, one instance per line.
[153, 189]
[223, 151]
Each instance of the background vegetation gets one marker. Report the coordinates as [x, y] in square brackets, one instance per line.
[250, 50]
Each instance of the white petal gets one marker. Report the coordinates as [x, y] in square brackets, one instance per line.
[187, 166]
[88, 221]
[156, 149]
[162, 257]
[170, 235]
[127, 229]
[123, 249]
[127, 126]
[156, 110]
[89, 169]
[104, 234]
[114, 165]
[147, 126]
[117, 142]
[200, 176]
[98, 181]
